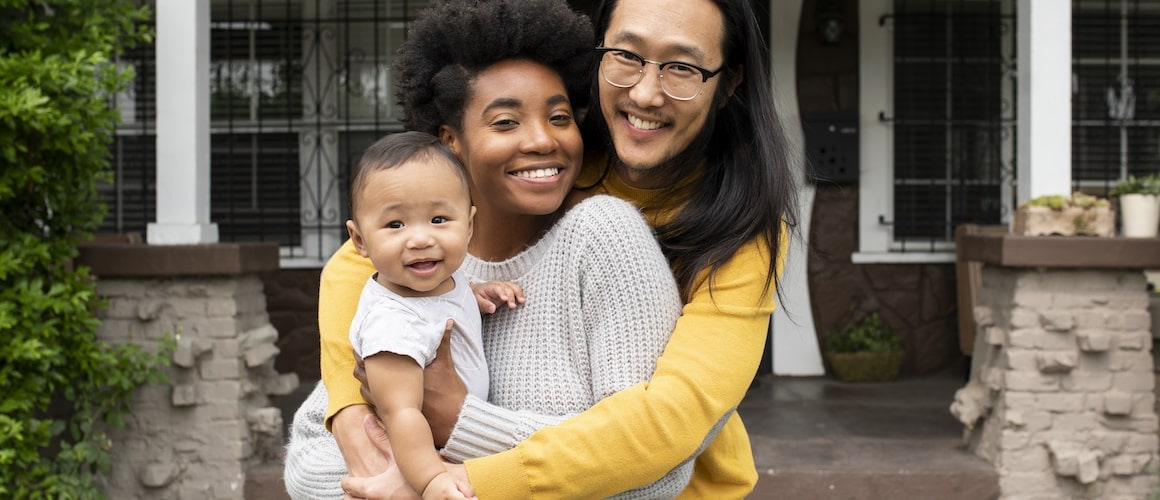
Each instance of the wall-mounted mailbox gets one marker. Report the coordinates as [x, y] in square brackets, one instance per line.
[831, 146]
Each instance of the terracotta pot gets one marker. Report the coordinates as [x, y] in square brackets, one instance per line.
[1140, 214]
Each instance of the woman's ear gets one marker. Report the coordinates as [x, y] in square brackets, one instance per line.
[451, 139]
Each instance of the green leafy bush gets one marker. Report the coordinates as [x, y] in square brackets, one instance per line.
[60, 386]
[868, 334]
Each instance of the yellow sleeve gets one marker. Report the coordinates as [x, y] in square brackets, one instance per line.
[341, 283]
[640, 433]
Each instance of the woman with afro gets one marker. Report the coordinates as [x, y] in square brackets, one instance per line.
[498, 81]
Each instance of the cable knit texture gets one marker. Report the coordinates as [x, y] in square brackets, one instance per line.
[314, 466]
[601, 303]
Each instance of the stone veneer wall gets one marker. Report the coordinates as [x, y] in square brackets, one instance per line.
[199, 435]
[1061, 398]
[917, 300]
[292, 303]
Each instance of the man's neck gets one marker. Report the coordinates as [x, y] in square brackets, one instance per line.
[641, 178]
[658, 176]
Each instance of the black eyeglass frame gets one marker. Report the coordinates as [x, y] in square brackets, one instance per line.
[705, 74]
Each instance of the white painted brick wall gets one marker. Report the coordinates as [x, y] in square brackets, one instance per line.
[192, 439]
[1068, 382]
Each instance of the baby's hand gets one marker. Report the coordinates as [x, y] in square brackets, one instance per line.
[492, 294]
[444, 487]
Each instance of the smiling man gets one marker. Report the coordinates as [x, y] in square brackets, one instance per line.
[687, 131]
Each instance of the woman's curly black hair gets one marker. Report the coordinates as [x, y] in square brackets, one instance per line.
[453, 40]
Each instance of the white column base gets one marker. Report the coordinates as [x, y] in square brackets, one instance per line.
[181, 234]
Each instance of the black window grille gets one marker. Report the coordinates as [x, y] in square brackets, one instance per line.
[1116, 91]
[131, 196]
[254, 187]
[953, 117]
[298, 88]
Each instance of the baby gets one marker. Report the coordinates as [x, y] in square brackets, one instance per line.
[412, 217]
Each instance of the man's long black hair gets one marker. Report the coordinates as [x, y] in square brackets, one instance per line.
[747, 189]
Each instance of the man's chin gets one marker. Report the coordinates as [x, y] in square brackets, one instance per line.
[640, 162]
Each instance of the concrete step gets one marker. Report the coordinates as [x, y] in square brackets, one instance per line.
[871, 469]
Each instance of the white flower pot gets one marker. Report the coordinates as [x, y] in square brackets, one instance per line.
[1141, 215]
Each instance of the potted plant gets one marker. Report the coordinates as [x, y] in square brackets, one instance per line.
[1078, 215]
[1139, 205]
[864, 350]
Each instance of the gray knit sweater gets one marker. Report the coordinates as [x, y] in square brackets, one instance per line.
[601, 303]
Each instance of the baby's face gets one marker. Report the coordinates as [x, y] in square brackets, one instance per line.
[414, 222]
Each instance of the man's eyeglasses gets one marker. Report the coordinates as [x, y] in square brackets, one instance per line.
[681, 81]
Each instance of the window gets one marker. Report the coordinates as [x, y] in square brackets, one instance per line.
[1116, 91]
[297, 90]
[256, 89]
[941, 82]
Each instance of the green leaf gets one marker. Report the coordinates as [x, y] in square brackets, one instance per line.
[57, 127]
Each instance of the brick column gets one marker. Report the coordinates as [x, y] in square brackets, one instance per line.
[198, 436]
[1062, 391]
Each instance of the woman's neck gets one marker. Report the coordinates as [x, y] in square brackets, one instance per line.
[500, 237]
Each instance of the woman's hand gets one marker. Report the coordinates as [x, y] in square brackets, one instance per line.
[388, 484]
[443, 391]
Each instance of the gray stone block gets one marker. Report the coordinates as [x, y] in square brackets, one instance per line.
[260, 354]
[159, 474]
[184, 395]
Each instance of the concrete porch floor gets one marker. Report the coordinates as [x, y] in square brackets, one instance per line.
[816, 437]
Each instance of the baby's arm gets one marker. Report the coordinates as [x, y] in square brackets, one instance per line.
[492, 294]
[400, 402]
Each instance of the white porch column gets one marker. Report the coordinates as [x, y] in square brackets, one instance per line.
[183, 185]
[795, 344]
[1044, 120]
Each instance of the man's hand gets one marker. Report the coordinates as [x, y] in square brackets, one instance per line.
[362, 457]
[443, 391]
[360, 373]
[388, 484]
[459, 472]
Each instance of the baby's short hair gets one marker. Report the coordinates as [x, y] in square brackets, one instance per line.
[396, 149]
